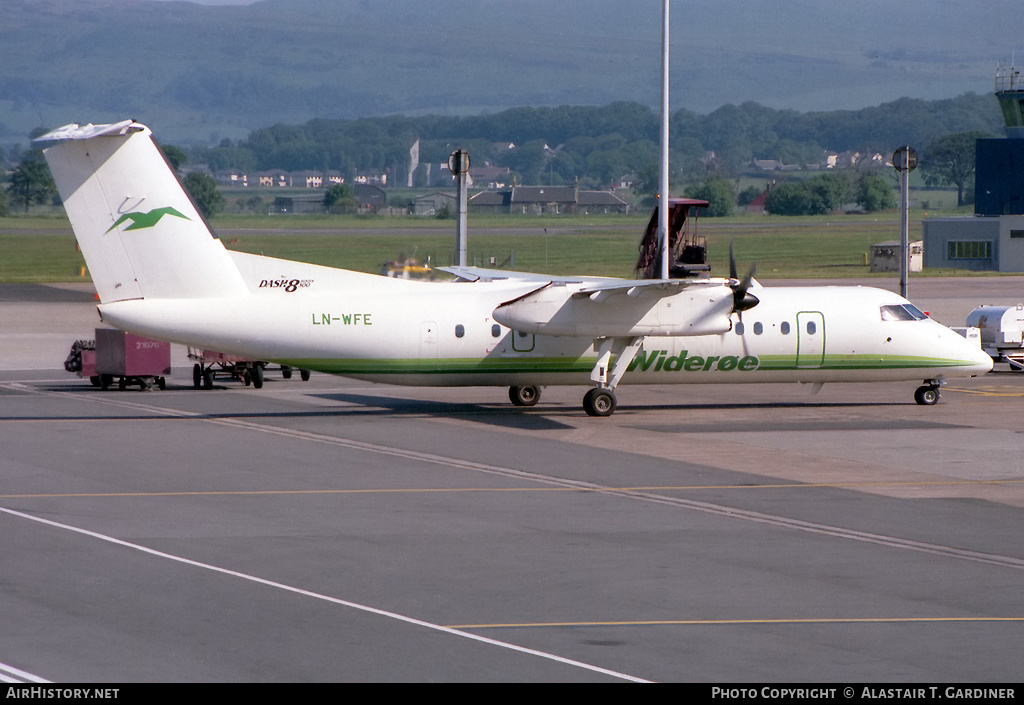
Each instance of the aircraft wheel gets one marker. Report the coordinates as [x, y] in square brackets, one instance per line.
[208, 379]
[304, 374]
[524, 396]
[927, 396]
[197, 375]
[599, 402]
[286, 372]
[256, 375]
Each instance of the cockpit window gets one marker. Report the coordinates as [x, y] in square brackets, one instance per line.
[902, 312]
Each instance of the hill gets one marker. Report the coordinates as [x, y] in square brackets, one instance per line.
[207, 72]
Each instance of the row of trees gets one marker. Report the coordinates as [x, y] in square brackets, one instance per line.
[598, 144]
[818, 195]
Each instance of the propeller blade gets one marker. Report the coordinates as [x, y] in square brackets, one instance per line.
[742, 299]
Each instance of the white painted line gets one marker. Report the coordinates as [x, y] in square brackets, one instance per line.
[10, 674]
[327, 598]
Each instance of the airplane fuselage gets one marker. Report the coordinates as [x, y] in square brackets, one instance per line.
[159, 272]
[417, 333]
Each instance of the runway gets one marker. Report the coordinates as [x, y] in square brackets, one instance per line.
[340, 531]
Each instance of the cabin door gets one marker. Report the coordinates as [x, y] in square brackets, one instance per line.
[810, 339]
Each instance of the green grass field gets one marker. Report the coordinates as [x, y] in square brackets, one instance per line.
[42, 249]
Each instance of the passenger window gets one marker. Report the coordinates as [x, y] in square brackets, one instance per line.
[460, 330]
[739, 328]
[496, 330]
[758, 328]
[784, 327]
[811, 328]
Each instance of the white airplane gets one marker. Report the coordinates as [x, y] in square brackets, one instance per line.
[160, 272]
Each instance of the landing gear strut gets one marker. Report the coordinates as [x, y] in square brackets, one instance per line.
[600, 401]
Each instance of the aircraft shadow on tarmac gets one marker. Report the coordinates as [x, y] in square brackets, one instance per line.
[544, 417]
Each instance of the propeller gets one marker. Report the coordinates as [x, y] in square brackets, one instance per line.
[742, 299]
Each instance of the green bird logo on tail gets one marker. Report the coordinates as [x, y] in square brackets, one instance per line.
[142, 220]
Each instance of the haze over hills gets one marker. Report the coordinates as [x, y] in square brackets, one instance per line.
[203, 72]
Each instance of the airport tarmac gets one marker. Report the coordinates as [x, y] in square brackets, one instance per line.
[335, 530]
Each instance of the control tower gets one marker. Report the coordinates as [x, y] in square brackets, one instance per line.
[1010, 94]
[999, 173]
[993, 238]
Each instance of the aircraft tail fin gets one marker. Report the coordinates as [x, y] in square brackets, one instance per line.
[140, 233]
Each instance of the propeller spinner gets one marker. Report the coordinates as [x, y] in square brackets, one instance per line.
[742, 299]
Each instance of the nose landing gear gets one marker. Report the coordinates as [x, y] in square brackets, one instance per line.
[928, 395]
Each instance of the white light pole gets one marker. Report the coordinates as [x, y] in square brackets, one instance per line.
[458, 164]
[904, 160]
[663, 180]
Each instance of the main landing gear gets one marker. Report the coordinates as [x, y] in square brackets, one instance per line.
[928, 395]
[524, 396]
[600, 401]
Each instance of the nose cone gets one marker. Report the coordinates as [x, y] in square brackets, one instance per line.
[973, 360]
[982, 360]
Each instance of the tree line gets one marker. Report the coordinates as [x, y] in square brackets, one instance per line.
[594, 146]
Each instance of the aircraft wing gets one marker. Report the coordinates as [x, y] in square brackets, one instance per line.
[656, 287]
[473, 274]
[617, 308]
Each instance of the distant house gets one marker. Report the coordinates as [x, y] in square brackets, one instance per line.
[299, 204]
[543, 199]
[548, 200]
[369, 197]
[309, 179]
[490, 176]
[373, 178]
[276, 178]
[758, 205]
[853, 160]
[624, 181]
[231, 178]
[598, 202]
[434, 204]
[491, 202]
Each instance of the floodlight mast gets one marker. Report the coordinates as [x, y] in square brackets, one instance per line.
[663, 178]
[904, 160]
